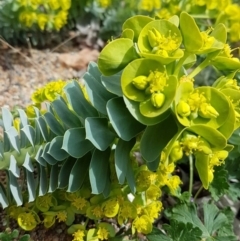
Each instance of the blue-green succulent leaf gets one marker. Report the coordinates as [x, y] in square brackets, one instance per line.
[156, 137]
[66, 115]
[46, 156]
[7, 118]
[43, 180]
[75, 142]
[63, 177]
[97, 131]
[122, 157]
[97, 93]
[15, 189]
[13, 167]
[98, 170]
[122, 121]
[78, 102]
[55, 149]
[78, 173]
[53, 181]
[30, 133]
[53, 124]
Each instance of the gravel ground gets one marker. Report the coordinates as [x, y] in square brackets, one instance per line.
[20, 76]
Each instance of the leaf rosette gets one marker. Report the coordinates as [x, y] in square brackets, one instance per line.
[202, 105]
[146, 81]
[160, 40]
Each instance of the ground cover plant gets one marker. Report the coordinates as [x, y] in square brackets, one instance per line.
[124, 147]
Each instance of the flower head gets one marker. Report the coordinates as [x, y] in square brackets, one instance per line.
[102, 233]
[27, 220]
[110, 207]
[78, 235]
[62, 216]
[143, 224]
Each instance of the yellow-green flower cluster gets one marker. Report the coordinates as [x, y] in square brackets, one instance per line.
[49, 14]
[49, 92]
[232, 12]
[149, 5]
[104, 3]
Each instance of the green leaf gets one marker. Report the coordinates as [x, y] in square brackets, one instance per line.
[78, 173]
[28, 163]
[136, 23]
[39, 158]
[46, 156]
[43, 128]
[157, 235]
[13, 167]
[122, 121]
[3, 198]
[78, 102]
[31, 185]
[233, 168]
[53, 124]
[98, 170]
[214, 220]
[219, 186]
[202, 165]
[70, 216]
[122, 158]
[15, 189]
[188, 214]
[43, 180]
[133, 107]
[179, 231]
[155, 138]
[7, 118]
[25, 237]
[97, 93]
[64, 173]
[116, 55]
[97, 131]
[30, 133]
[55, 149]
[128, 33]
[53, 180]
[130, 178]
[15, 233]
[192, 38]
[13, 137]
[65, 115]
[220, 33]
[113, 83]
[224, 63]
[75, 142]
[23, 117]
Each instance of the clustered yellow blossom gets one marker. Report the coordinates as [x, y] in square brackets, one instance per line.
[47, 93]
[227, 12]
[196, 104]
[104, 3]
[78, 235]
[154, 85]
[45, 14]
[149, 5]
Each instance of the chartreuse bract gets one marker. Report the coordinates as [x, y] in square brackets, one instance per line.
[108, 148]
